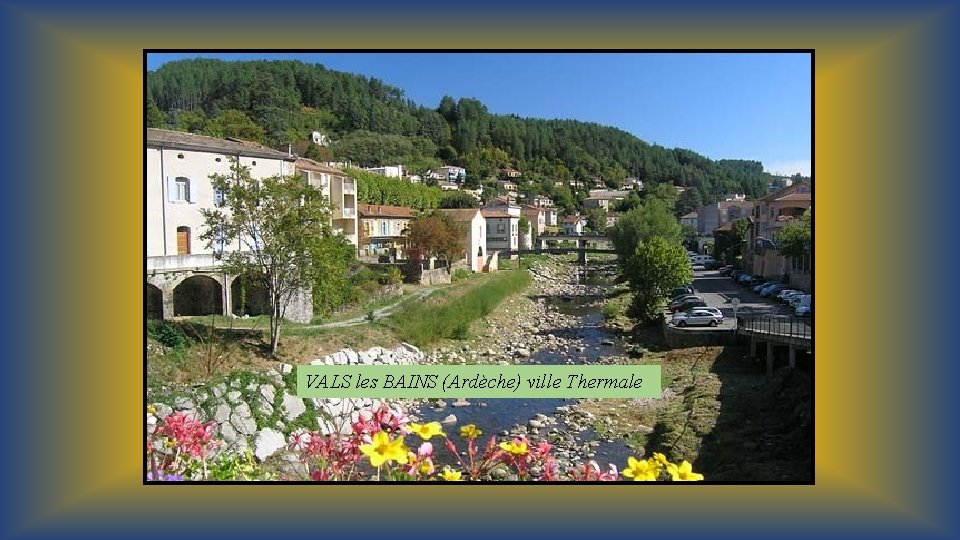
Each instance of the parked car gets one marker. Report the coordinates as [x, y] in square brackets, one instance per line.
[686, 289]
[785, 296]
[735, 274]
[726, 270]
[680, 300]
[804, 311]
[697, 316]
[744, 278]
[772, 290]
[690, 304]
[799, 299]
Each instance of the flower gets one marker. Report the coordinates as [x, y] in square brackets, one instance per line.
[151, 409]
[516, 447]
[166, 477]
[660, 458]
[425, 450]
[425, 431]
[646, 470]
[470, 431]
[382, 450]
[450, 475]
[683, 473]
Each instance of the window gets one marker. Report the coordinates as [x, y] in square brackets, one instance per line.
[384, 228]
[219, 197]
[178, 189]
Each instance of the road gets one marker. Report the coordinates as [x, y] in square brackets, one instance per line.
[719, 291]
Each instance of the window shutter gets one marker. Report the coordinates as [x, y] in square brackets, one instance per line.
[188, 197]
[171, 189]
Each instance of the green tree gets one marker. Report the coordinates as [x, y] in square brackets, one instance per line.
[689, 235]
[280, 223]
[728, 245]
[459, 199]
[688, 201]
[155, 117]
[656, 266]
[437, 235]
[796, 239]
[597, 219]
[234, 123]
[331, 283]
[652, 218]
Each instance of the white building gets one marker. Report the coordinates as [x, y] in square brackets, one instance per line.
[319, 139]
[503, 224]
[184, 275]
[390, 171]
[178, 186]
[473, 227]
[573, 225]
[340, 190]
[450, 173]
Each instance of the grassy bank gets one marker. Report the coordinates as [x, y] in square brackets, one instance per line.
[428, 322]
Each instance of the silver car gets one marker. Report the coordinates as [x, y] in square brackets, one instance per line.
[698, 316]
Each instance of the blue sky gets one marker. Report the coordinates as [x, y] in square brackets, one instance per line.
[730, 105]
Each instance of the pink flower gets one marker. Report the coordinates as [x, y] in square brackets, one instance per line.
[425, 450]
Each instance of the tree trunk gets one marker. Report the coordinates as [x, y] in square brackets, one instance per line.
[274, 325]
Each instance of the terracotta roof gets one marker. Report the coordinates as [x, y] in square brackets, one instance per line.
[778, 193]
[307, 164]
[725, 227]
[382, 210]
[494, 214]
[460, 214]
[530, 207]
[573, 219]
[163, 138]
[691, 215]
[794, 197]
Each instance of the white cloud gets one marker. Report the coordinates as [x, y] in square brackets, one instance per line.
[789, 168]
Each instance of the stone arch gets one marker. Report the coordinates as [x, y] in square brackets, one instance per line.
[248, 297]
[198, 295]
[154, 302]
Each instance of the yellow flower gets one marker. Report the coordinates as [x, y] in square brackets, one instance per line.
[517, 448]
[383, 450]
[426, 431]
[684, 472]
[646, 470]
[450, 475]
[470, 431]
[660, 458]
[151, 409]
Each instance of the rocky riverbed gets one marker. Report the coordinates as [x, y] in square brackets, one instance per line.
[556, 321]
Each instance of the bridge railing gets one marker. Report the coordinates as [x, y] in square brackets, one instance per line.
[781, 325]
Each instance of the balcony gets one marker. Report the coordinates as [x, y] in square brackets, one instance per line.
[349, 213]
[172, 263]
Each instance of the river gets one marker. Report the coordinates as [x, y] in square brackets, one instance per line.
[510, 416]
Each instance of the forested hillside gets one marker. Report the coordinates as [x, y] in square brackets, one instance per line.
[371, 123]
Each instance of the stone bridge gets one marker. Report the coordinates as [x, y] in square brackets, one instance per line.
[185, 285]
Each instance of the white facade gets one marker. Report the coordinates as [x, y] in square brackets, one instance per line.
[390, 171]
[550, 216]
[474, 228]
[574, 225]
[340, 190]
[177, 185]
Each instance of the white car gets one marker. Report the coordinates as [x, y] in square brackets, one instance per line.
[698, 316]
[798, 300]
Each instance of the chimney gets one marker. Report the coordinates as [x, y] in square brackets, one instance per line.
[290, 149]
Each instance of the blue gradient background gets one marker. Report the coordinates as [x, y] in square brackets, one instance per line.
[885, 131]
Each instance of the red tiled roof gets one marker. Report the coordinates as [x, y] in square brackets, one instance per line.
[494, 214]
[794, 197]
[460, 214]
[382, 210]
